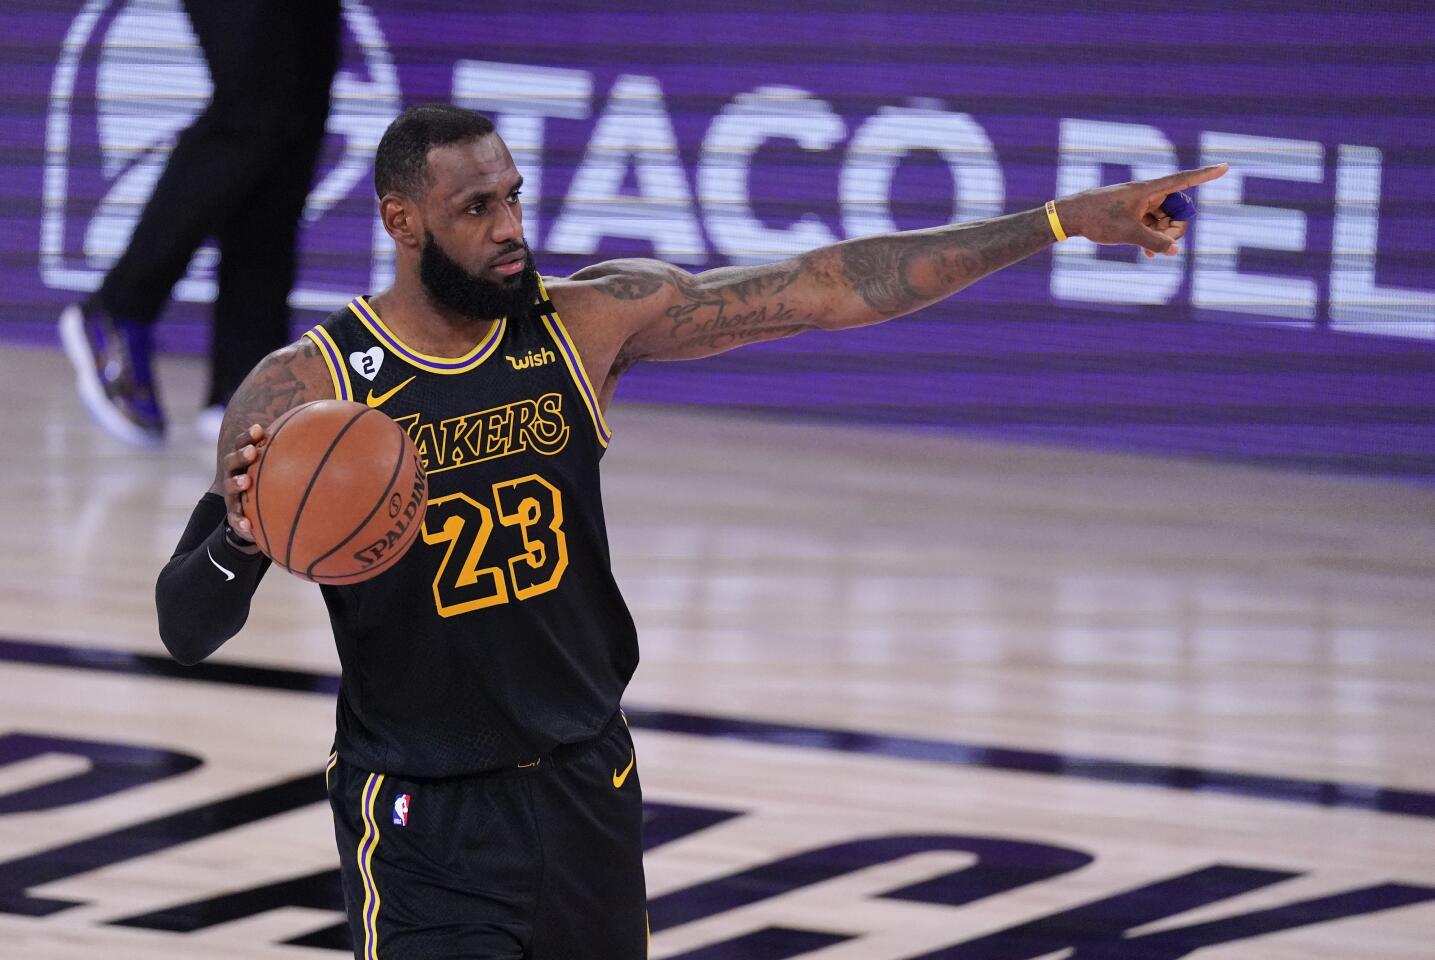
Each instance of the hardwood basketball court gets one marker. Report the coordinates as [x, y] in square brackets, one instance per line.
[902, 695]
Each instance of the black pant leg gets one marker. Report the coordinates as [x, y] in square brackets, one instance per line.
[216, 164]
[258, 243]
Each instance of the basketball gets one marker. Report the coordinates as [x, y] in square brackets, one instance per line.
[337, 492]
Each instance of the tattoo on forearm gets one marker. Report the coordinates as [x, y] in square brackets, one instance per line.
[816, 266]
[897, 273]
[876, 271]
[845, 285]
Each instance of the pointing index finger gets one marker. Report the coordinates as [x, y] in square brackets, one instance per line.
[1188, 178]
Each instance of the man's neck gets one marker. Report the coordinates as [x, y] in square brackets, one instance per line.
[427, 327]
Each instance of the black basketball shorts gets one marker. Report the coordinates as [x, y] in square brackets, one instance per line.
[542, 862]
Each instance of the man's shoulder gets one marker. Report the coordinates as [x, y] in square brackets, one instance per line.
[300, 356]
[605, 304]
[611, 284]
[626, 267]
[347, 311]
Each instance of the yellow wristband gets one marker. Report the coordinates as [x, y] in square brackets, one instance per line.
[1054, 220]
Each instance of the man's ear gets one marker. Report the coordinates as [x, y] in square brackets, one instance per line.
[401, 220]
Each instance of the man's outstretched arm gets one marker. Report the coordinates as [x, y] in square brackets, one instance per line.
[670, 314]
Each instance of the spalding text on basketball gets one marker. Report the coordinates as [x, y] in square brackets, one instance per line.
[380, 549]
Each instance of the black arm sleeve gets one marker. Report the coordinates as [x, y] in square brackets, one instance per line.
[203, 593]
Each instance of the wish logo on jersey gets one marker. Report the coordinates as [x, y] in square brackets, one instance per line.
[534, 358]
[401, 810]
[114, 117]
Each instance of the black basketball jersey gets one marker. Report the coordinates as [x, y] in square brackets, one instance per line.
[501, 633]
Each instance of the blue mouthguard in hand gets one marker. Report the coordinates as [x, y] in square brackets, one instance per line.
[1178, 206]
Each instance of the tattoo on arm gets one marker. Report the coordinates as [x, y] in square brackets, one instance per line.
[275, 386]
[875, 271]
[631, 287]
[845, 285]
[283, 380]
[728, 309]
[897, 273]
[766, 283]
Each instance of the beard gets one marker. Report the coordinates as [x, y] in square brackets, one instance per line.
[449, 285]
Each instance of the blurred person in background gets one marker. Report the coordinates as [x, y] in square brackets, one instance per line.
[240, 174]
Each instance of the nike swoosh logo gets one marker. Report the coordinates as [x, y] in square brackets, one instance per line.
[379, 401]
[620, 778]
[228, 574]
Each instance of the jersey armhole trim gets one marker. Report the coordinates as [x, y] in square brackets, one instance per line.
[329, 350]
[574, 363]
[548, 313]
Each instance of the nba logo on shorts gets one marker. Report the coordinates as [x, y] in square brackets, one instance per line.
[401, 810]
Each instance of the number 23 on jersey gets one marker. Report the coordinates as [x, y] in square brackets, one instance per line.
[463, 526]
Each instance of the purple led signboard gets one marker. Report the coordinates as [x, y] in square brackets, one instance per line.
[1297, 327]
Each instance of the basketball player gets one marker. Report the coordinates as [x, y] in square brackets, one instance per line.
[483, 781]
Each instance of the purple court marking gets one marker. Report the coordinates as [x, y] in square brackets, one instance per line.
[1312, 793]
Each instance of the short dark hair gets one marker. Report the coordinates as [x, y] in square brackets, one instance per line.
[401, 162]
